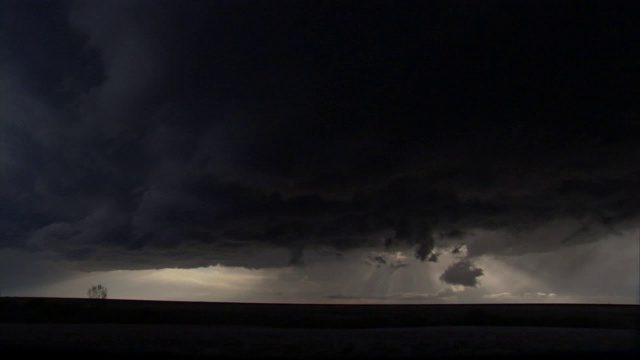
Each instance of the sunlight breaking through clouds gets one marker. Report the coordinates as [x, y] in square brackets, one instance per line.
[597, 272]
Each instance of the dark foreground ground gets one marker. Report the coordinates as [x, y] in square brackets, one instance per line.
[91, 329]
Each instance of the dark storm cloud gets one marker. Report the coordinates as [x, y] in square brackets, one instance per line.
[160, 127]
[462, 273]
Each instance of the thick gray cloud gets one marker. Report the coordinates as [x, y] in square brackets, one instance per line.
[462, 273]
[153, 130]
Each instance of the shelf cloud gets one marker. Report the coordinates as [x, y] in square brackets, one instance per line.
[146, 134]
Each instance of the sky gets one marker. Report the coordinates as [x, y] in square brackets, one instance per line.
[321, 151]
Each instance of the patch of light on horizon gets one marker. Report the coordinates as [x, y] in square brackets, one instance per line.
[536, 277]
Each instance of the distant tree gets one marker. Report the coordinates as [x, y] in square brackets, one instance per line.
[97, 292]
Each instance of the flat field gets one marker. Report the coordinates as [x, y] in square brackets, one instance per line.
[90, 329]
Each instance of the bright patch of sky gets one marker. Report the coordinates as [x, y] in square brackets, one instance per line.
[600, 272]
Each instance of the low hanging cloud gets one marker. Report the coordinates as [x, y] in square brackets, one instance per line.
[462, 273]
[390, 261]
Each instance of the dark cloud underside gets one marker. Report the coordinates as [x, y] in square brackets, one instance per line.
[152, 127]
[462, 273]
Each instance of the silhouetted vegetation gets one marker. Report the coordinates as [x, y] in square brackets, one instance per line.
[97, 292]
